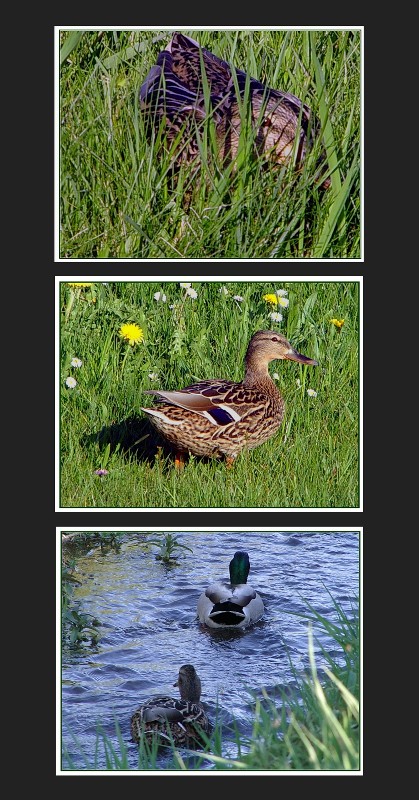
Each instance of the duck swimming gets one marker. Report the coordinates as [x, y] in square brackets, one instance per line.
[173, 96]
[231, 605]
[220, 418]
[168, 720]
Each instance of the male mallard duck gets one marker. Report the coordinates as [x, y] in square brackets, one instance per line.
[173, 95]
[234, 604]
[219, 418]
[165, 718]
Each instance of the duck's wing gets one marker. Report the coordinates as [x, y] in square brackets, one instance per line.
[209, 399]
[164, 94]
[218, 592]
[243, 594]
[162, 713]
[222, 402]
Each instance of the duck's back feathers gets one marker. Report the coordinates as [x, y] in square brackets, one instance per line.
[231, 604]
[240, 595]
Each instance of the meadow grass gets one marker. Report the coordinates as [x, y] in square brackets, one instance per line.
[313, 460]
[116, 199]
[315, 725]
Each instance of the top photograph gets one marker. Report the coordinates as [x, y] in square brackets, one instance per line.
[208, 144]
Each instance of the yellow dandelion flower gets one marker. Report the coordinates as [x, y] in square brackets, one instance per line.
[337, 322]
[80, 285]
[131, 333]
[271, 298]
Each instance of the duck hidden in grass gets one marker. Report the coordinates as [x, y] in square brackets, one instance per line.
[189, 84]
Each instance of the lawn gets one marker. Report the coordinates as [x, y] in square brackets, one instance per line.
[311, 462]
[116, 198]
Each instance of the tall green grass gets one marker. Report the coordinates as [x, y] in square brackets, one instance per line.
[314, 726]
[116, 198]
[313, 461]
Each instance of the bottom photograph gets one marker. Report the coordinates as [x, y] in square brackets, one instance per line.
[209, 650]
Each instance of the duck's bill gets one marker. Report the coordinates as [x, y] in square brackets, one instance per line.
[293, 355]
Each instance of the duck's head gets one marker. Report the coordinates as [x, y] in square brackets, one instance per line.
[239, 568]
[189, 684]
[266, 346]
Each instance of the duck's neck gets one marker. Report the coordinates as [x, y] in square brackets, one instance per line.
[257, 374]
[191, 692]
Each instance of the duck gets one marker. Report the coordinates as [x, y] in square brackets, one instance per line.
[221, 418]
[167, 720]
[231, 605]
[172, 97]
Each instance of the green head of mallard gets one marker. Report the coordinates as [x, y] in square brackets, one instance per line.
[239, 568]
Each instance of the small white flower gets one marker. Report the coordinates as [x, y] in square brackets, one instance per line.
[160, 296]
[281, 292]
[70, 382]
[275, 316]
[275, 376]
[192, 293]
[171, 306]
[282, 301]
[311, 393]
[298, 382]
[238, 298]
[185, 285]
[223, 290]
[76, 362]
[153, 376]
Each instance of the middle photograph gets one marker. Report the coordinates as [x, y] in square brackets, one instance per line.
[209, 394]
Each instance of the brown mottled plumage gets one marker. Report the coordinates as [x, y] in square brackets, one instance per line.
[219, 418]
[167, 719]
[173, 94]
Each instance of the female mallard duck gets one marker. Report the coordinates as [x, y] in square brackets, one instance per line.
[173, 97]
[168, 720]
[219, 418]
[231, 605]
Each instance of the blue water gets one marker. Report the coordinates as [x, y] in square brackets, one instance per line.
[149, 629]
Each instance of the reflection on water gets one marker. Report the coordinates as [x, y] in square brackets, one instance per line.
[149, 626]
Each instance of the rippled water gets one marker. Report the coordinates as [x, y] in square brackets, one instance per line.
[150, 628]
